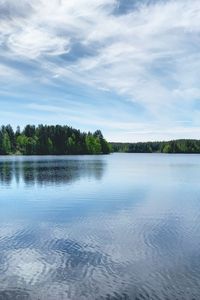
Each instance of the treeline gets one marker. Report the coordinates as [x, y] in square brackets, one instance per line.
[175, 146]
[51, 140]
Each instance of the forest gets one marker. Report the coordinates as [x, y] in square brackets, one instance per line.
[51, 140]
[175, 146]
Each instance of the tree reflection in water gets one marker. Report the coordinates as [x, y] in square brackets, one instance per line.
[49, 170]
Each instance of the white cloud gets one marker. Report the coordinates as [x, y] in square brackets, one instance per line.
[149, 56]
[33, 42]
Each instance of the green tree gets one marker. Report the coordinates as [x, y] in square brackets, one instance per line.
[45, 139]
[93, 144]
[6, 144]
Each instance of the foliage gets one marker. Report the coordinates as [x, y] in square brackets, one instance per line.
[176, 146]
[51, 140]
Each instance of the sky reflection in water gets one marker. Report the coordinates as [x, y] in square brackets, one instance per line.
[123, 226]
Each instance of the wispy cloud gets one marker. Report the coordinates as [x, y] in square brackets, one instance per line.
[147, 52]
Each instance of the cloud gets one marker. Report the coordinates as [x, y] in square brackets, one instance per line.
[145, 51]
[11, 9]
[32, 43]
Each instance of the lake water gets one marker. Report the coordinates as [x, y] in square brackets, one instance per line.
[122, 226]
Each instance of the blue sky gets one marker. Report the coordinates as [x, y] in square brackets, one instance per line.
[128, 67]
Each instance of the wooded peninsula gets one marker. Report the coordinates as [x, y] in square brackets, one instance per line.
[51, 140]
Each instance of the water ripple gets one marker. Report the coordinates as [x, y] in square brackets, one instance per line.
[74, 228]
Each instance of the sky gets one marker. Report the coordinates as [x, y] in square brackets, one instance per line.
[128, 67]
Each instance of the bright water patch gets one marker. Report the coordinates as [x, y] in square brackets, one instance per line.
[122, 226]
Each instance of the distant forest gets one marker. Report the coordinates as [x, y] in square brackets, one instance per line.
[175, 146]
[51, 140]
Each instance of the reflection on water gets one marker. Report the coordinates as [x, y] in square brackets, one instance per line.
[124, 226]
[15, 294]
[47, 170]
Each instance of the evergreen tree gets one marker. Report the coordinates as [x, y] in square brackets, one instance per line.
[6, 144]
[44, 140]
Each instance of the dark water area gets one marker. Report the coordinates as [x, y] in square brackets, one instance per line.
[122, 226]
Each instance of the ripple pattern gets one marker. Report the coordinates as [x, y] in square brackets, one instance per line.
[102, 228]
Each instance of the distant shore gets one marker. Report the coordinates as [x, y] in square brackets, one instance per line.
[187, 146]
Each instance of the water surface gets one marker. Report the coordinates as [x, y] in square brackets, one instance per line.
[122, 226]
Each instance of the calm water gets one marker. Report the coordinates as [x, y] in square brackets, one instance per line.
[123, 226]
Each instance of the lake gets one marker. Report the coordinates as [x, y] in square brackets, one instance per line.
[121, 226]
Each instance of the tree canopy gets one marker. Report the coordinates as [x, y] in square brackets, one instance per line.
[175, 146]
[51, 140]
